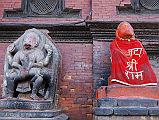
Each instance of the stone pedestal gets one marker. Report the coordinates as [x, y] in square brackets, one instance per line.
[127, 103]
[126, 109]
[17, 109]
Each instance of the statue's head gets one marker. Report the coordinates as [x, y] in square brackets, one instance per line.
[31, 40]
[125, 31]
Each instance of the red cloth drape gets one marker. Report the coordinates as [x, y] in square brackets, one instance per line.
[130, 64]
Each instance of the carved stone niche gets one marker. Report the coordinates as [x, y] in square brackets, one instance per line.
[31, 73]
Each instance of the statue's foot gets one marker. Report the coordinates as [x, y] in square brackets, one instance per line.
[34, 97]
[9, 96]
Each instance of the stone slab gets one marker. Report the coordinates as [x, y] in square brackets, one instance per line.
[126, 117]
[103, 111]
[137, 102]
[59, 117]
[107, 102]
[127, 111]
[154, 111]
[29, 113]
[25, 104]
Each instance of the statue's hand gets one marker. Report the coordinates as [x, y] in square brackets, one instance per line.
[48, 49]
[49, 52]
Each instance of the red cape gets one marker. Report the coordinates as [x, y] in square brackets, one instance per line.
[130, 64]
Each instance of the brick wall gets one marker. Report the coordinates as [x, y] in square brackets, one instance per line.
[10, 5]
[84, 5]
[76, 82]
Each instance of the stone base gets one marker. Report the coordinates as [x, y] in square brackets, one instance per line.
[29, 113]
[26, 104]
[15, 114]
[126, 109]
[18, 109]
[126, 117]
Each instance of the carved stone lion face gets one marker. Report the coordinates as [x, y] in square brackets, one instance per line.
[31, 40]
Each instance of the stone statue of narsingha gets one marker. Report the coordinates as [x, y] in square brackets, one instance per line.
[31, 65]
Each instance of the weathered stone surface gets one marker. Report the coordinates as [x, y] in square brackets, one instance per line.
[131, 111]
[107, 102]
[154, 111]
[126, 118]
[59, 117]
[30, 113]
[25, 104]
[103, 111]
[137, 102]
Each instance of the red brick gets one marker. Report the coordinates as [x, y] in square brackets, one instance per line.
[75, 79]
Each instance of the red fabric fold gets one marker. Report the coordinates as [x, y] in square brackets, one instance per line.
[130, 64]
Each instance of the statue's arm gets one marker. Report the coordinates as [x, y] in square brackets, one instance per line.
[10, 50]
[16, 61]
[10, 58]
[48, 56]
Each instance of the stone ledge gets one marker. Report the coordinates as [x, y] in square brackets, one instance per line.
[127, 107]
[107, 102]
[131, 111]
[29, 113]
[103, 111]
[114, 102]
[154, 111]
[59, 117]
[25, 104]
[126, 111]
[126, 117]
[137, 102]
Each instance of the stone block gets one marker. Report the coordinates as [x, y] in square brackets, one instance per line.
[130, 111]
[103, 111]
[107, 102]
[154, 111]
[59, 117]
[137, 102]
[126, 117]
[25, 104]
[29, 113]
